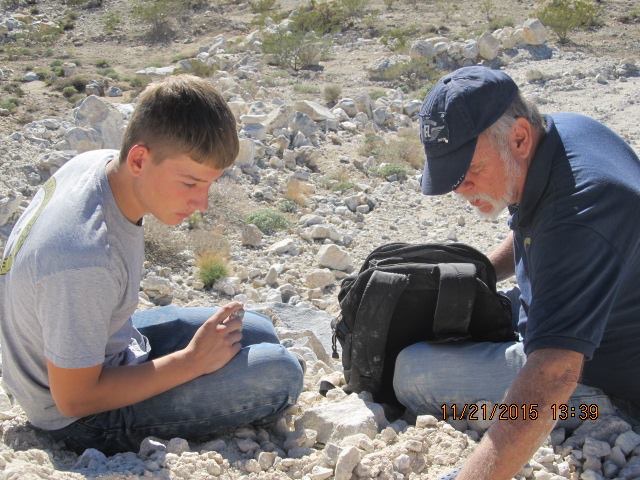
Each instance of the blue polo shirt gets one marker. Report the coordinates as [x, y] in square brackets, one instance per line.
[577, 251]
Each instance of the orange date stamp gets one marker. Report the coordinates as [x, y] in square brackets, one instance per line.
[516, 411]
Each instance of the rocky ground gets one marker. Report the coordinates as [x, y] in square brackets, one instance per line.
[343, 174]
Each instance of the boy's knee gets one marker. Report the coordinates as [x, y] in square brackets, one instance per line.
[281, 371]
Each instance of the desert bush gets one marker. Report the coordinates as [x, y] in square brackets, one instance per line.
[9, 103]
[410, 76]
[163, 245]
[268, 220]
[287, 206]
[194, 220]
[306, 88]
[298, 191]
[565, 16]
[332, 93]
[397, 38]
[111, 21]
[292, 49]
[353, 8]
[69, 91]
[109, 72]
[389, 4]
[388, 169]
[262, 6]
[211, 268]
[406, 148]
[199, 69]
[157, 15]
[338, 181]
[14, 88]
[319, 17]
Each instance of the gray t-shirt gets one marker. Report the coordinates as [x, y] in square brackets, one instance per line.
[72, 288]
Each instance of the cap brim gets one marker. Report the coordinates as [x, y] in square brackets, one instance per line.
[444, 173]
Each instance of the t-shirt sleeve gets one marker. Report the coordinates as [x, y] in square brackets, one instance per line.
[575, 276]
[75, 309]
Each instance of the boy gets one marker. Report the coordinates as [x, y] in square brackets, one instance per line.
[82, 363]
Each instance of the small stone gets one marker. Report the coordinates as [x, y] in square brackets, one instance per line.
[347, 461]
[266, 459]
[177, 446]
[402, 463]
[252, 466]
[426, 421]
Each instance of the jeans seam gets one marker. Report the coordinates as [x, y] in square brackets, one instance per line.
[205, 420]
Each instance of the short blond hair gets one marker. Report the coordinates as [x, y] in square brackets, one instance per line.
[183, 114]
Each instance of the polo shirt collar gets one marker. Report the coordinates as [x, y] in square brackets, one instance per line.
[537, 177]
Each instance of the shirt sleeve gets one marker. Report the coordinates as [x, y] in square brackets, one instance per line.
[575, 275]
[75, 308]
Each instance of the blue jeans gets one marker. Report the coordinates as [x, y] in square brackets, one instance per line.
[261, 381]
[428, 376]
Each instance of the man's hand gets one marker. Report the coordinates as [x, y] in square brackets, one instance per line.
[79, 392]
[549, 377]
[216, 341]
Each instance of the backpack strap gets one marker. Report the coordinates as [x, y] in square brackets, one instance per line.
[372, 322]
[456, 297]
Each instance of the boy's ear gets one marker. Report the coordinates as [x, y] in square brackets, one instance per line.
[137, 157]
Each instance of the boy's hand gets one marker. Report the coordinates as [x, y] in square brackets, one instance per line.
[217, 340]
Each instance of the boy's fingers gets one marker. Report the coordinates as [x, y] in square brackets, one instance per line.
[223, 312]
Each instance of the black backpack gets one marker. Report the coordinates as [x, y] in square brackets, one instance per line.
[407, 293]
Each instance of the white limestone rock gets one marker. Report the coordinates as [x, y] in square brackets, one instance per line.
[334, 257]
[534, 32]
[337, 420]
[104, 118]
[488, 46]
[347, 461]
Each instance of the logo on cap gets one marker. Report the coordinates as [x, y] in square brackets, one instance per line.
[435, 131]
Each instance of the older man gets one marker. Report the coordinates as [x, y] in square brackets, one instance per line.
[572, 187]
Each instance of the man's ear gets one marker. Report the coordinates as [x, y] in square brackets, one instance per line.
[522, 139]
[137, 157]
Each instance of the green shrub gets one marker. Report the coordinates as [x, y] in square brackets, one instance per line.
[411, 75]
[406, 148]
[268, 221]
[111, 21]
[338, 181]
[388, 169]
[109, 72]
[194, 220]
[287, 206]
[262, 6]
[79, 82]
[332, 93]
[353, 8]
[9, 103]
[157, 15]
[294, 50]
[564, 16]
[201, 69]
[69, 91]
[397, 38]
[305, 88]
[632, 16]
[319, 17]
[14, 88]
[212, 267]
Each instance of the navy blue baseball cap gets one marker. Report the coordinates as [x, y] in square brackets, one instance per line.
[460, 107]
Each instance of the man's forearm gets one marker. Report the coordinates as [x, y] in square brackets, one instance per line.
[508, 445]
[502, 258]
